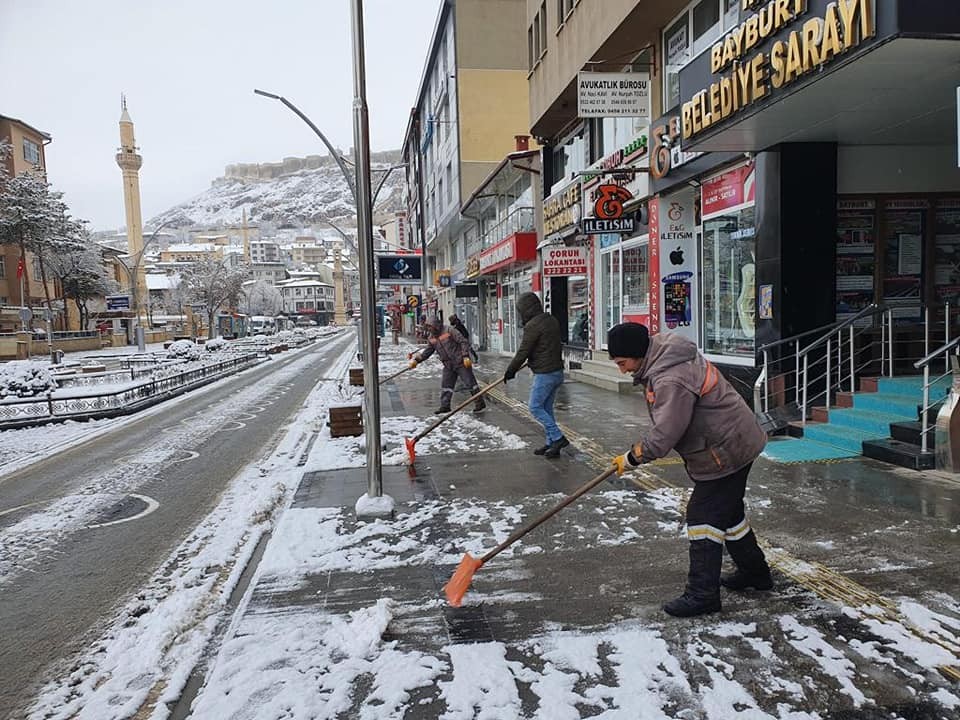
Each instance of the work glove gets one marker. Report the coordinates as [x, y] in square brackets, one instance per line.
[509, 375]
[414, 362]
[625, 462]
[467, 363]
[409, 356]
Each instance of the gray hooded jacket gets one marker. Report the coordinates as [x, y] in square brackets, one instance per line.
[696, 411]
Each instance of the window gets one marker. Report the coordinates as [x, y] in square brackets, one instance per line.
[531, 51]
[543, 28]
[31, 152]
[636, 280]
[698, 27]
[440, 195]
[449, 183]
[564, 8]
[729, 282]
[537, 39]
[3, 267]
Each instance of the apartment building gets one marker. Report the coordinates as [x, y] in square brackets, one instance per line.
[471, 103]
[796, 167]
[28, 154]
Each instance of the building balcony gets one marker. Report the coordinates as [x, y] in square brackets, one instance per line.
[519, 220]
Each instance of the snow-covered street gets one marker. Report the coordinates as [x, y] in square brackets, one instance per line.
[338, 617]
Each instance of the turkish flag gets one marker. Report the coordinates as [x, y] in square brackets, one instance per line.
[21, 268]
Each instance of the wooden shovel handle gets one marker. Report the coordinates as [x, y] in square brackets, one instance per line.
[583, 489]
[433, 426]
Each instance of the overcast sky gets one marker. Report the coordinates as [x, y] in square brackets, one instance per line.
[188, 68]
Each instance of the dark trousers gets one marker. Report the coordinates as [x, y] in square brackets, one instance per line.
[716, 517]
[448, 383]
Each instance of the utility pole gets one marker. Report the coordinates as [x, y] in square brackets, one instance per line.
[368, 300]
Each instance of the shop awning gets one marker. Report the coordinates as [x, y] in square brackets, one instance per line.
[902, 92]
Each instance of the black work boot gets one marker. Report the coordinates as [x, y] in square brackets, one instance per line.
[481, 403]
[555, 447]
[442, 410]
[702, 595]
[752, 569]
[542, 450]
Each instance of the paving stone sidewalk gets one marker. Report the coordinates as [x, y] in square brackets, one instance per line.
[864, 621]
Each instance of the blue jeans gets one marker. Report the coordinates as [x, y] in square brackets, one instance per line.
[542, 394]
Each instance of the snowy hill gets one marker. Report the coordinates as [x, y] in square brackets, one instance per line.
[296, 191]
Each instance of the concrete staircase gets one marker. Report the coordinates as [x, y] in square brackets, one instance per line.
[603, 374]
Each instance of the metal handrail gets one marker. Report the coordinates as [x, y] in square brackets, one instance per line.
[922, 363]
[798, 336]
[871, 309]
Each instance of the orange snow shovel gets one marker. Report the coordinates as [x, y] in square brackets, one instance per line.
[411, 442]
[457, 587]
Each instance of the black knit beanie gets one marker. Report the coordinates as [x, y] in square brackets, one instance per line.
[629, 340]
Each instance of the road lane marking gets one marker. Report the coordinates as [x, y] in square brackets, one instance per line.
[151, 506]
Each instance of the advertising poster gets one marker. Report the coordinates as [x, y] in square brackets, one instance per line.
[946, 260]
[856, 256]
[903, 223]
[678, 264]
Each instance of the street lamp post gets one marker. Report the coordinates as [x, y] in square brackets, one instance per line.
[132, 274]
[368, 300]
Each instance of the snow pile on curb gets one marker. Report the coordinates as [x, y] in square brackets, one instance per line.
[25, 378]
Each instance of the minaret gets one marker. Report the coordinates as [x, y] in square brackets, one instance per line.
[130, 161]
[246, 240]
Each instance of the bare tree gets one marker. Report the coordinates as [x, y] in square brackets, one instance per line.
[211, 284]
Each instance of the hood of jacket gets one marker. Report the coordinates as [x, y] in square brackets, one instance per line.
[529, 306]
[665, 351]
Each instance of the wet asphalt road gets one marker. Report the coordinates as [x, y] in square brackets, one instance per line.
[62, 586]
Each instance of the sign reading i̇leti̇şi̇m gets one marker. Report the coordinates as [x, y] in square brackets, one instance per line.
[820, 40]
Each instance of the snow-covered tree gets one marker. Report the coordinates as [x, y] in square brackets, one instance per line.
[82, 277]
[263, 299]
[34, 218]
[211, 284]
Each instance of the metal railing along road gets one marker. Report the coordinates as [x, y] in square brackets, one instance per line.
[139, 393]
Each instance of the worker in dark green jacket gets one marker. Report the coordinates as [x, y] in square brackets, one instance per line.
[540, 348]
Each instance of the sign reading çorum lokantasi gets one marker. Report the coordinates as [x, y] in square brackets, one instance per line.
[780, 43]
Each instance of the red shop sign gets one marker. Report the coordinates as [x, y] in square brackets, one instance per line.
[519, 247]
[732, 188]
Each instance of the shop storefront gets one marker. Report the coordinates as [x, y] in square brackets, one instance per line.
[564, 259]
[508, 269]
[816, 193]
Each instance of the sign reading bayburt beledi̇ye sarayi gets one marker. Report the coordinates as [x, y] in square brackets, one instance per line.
[746, 71]
[613, 95]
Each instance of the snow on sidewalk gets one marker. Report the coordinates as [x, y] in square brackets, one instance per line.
[144, 658]
[391, 658]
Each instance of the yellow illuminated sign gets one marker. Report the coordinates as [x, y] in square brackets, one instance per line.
[820, 40]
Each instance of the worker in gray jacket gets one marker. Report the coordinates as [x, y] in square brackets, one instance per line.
[453, 349]
[698, 413]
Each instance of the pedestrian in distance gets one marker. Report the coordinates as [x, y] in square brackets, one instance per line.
[698, 413]
[457, 324]
[453, 349]
[541, 349]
